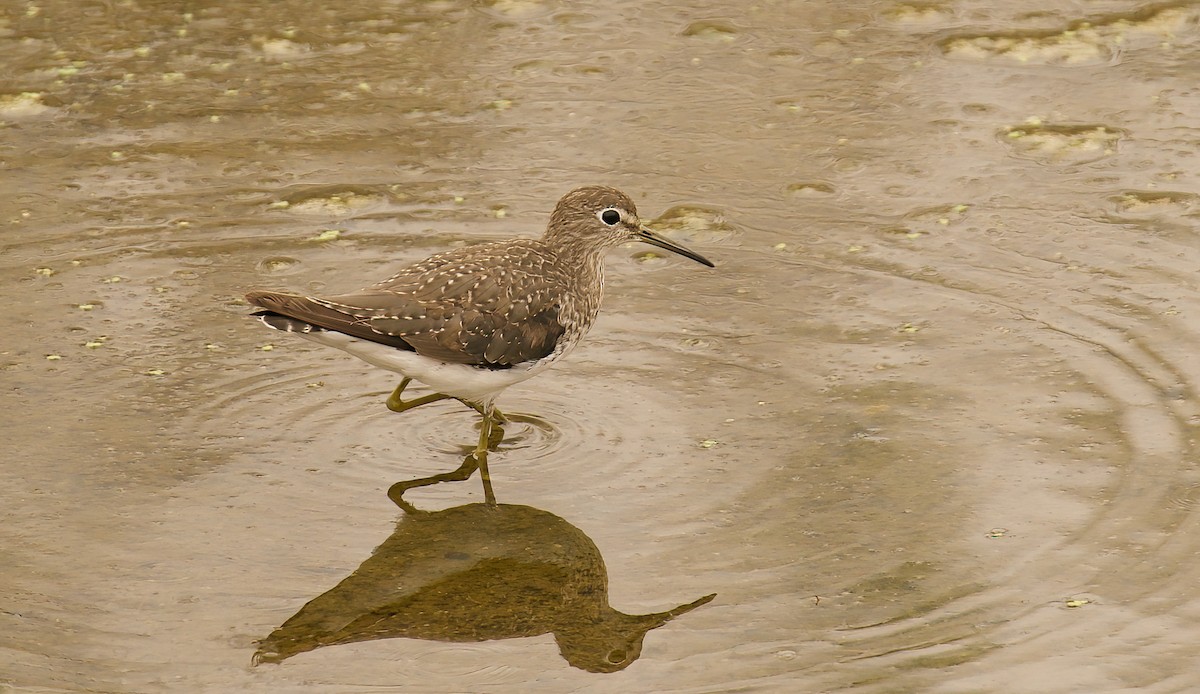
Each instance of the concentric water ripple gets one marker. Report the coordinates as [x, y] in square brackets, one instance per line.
[332, 408]
[446, 428]
[927, 426]
[1129, 416]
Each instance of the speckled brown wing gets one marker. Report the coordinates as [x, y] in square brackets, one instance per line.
[489, 305]
[456, 306]
[312, 312]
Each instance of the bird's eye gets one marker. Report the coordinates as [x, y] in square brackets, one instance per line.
[610, 216]
[616, 657]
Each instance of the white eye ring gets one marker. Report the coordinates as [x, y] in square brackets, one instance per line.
[610, 216]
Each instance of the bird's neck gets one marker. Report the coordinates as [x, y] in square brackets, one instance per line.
[580, 257]
[583, 266]
[586, 267]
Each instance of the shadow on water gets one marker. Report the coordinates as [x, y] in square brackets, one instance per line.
[477, 572]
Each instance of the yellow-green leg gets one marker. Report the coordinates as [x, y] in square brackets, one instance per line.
[464, 471]
[492, 418]
[481, 451]
[497, 416]
[395, 403]
[469, 465]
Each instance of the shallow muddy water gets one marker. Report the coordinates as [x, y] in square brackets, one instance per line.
[929, 426]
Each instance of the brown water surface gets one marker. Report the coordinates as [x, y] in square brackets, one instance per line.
[930, 426]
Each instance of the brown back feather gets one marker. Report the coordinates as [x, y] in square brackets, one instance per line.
[455, 306]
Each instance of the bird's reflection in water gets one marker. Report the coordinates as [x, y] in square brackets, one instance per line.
[474, 573]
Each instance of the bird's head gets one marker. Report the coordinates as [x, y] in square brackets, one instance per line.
[600, 217]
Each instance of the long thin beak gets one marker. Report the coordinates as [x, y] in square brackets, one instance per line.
[646, 236]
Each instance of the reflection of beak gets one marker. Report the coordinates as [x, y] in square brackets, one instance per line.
[662, 618]
[644, 235]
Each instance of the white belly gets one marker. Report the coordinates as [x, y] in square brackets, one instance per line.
[457, 380]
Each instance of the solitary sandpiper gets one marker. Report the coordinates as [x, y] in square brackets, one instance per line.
[473, 321]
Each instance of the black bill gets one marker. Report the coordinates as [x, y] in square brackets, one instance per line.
[646, 236]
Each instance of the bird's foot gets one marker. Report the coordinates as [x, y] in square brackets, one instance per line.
[396, 403]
